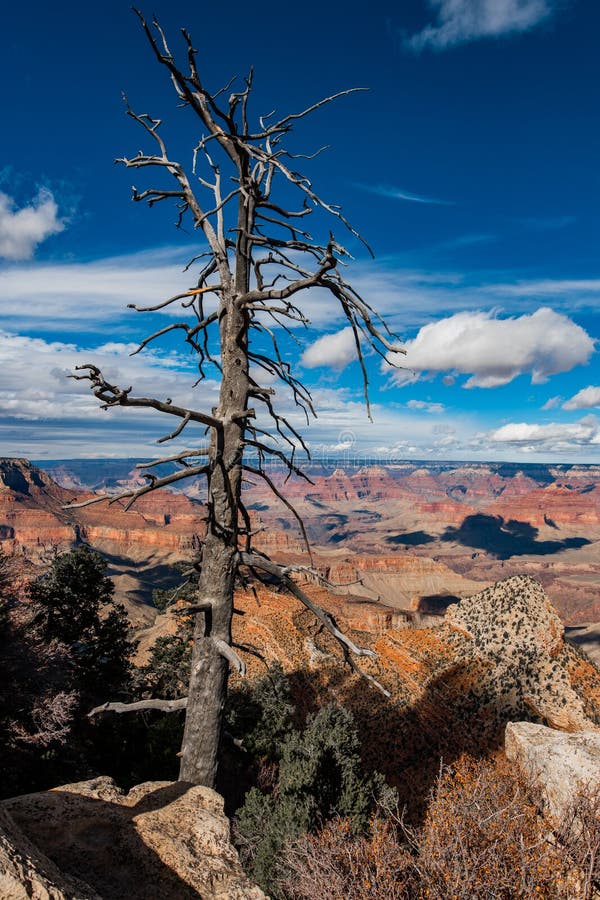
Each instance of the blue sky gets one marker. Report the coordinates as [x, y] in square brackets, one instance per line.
[471, 165]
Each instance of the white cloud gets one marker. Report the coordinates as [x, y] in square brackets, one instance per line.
[495, 351]
[459, 21]
[67, 296]
[332, 350]
[21, 230]
[556, 437]
[552, 403]
[587, 398]
[426, 406]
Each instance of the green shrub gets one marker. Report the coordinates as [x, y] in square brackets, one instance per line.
[319, 777]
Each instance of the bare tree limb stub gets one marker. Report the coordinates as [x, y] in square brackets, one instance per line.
[140, 706]
[231, 656]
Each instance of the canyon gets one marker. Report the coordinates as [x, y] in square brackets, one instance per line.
[401, 540]
[461, 579]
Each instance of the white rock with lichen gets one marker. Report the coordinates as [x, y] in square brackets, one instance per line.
[558, 767]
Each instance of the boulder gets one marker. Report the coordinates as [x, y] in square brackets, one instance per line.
[26, 873]
[162, 839]
[559, 767]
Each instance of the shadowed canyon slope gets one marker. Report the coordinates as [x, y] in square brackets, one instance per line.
[497, 656]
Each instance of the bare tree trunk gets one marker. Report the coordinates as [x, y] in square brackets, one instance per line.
[209, 670]
[208, 678]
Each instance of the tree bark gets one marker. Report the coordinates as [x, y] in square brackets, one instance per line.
[210, 669]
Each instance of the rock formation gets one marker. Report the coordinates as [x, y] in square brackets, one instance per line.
[25, 872]
[453, 528]
[165, 840]
[514, 627]
[400, 581]
[498, 656]
[558, 767]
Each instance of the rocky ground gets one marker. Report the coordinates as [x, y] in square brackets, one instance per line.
[89, 841]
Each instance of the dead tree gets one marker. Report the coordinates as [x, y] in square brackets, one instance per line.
[259, 260]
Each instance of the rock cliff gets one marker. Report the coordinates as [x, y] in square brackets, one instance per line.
[165, 840]
[513, 626]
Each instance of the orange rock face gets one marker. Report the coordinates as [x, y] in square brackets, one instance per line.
[34, 522]
[557, 504]
[497, 656]
[476, 523]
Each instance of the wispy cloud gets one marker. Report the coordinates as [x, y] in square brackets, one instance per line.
[466, 240]
[587, 398]
[546, 223]
[66, 296]
[460, 21]
[22, 230]
[494, 351]
[575, 287]
[426, 406]
[394, 193]
[552, 403]
[71, 297]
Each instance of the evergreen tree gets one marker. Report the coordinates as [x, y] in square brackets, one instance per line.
[162, 598]
[37, 703]
[262, 714]
[74, 606]
[320, 776]
[168, 669]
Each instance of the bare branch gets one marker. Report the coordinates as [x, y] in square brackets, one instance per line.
[111, 395]
[139, 706]
[230, 655]
[283, 124]
[312, 573]
[256, 561]
[177, 457]
[153, 485]
[285, 502]
[208, 289]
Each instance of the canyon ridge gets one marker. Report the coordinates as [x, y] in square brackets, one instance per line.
[413, 536]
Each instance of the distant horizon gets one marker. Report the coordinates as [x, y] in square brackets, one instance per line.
[339, 462]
